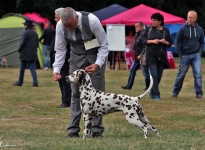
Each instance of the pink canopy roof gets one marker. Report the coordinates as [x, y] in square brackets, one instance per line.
[37, 18]
[141, 13]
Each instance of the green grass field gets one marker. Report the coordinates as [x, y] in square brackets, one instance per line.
[30, 120]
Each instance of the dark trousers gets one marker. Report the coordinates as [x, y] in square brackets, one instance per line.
[135, 66]
[156, 72]
[32, 66]
[65, 86]
[112, 58]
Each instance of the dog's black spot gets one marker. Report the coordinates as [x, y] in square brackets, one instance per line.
[118, 103]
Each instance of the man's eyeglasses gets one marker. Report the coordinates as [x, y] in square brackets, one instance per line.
[73, 27]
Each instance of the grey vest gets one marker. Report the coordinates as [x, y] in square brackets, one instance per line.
[78, 53]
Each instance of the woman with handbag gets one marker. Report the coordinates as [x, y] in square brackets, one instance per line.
[158, 40]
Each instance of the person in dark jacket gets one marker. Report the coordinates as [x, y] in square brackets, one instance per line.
[189, 44]
[63, 84]
[28, 53]
[138, 47]
[157, 42]
[47, 35]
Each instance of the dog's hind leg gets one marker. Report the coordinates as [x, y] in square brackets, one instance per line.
[135, 121]
[87, 118]
[144, 119]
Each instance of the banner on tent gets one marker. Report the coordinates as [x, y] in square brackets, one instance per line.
[129, 58]
[170, 59]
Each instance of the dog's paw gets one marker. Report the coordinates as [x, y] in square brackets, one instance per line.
[86, 136]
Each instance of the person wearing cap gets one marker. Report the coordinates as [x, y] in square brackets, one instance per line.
[28, 53]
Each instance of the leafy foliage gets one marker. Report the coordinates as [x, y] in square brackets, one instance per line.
[46, 8]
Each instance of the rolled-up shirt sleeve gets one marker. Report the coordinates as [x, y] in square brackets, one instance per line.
[101, 36]
[60, 48]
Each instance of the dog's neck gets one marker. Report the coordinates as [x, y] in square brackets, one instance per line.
[87, 81]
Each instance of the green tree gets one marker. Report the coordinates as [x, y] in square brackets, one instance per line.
[46, 8]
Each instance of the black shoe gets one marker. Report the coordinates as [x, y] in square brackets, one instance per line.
[174, 96]
[200, 97]
[17, 84]
[145, 89]
[72, 135]
[97, 135]
[64, 105]
[125, 88]
[35, 85]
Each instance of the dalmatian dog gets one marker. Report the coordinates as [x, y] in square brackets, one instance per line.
[95, 102]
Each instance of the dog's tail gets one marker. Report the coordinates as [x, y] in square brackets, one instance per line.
[150, 86]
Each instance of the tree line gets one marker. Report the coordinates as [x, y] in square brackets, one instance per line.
[46, 8]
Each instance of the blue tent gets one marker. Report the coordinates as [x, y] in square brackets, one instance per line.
[173, 29]
[109, 11]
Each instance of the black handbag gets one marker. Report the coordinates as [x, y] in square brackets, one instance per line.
[143, 60]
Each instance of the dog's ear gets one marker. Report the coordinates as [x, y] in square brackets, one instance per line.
[81, 76]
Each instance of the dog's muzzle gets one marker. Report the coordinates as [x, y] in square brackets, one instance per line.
[67, 79]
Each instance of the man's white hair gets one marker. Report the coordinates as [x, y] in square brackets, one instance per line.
[58, 11]
[66, 14]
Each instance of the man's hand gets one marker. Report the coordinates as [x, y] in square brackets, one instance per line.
[92, 68]
[56, 76]
[139, 57]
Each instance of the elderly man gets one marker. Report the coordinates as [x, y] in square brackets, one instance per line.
[65, 87]
[78, 28]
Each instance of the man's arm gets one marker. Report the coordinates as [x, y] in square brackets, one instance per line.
[60, 48]
[178, 42]
[201, 41]
[23, 42]
[101, 36]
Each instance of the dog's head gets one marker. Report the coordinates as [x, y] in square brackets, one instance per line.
[76, 77]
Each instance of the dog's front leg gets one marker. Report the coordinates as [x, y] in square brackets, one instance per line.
[87, 118]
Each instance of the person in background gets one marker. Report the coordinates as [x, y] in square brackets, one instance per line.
[28, 53]
[65, 87]
[189, 44]
[78, 28]
[47, 37]
[138, 47]
[157, 42]
[129, 40]
[112, 59]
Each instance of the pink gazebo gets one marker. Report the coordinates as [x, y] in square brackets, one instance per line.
[37, 18]
[141, 13]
